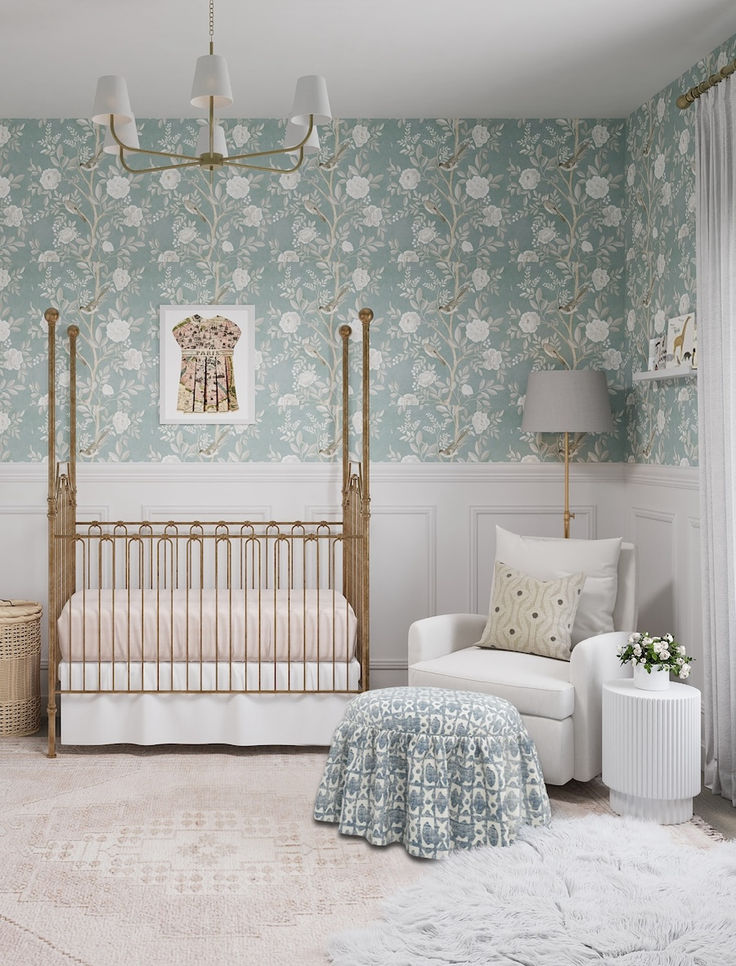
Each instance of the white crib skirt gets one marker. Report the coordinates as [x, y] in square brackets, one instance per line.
[154, 718]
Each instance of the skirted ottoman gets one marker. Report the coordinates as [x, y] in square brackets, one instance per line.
[434, 769]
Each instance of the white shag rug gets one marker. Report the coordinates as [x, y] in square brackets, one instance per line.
[594, 890]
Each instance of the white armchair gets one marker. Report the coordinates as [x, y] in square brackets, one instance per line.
[560, 702]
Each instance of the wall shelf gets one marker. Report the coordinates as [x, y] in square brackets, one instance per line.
[676, 372]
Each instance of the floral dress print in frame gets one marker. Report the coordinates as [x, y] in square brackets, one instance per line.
[207, 379]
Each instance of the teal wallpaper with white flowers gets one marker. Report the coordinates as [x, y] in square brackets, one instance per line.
[662, 423]
[484, 247]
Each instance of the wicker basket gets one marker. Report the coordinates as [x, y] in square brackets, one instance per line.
[20, 667]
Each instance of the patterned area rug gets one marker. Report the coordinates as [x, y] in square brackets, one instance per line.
[198, 857]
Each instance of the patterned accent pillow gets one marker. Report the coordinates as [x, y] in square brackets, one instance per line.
[530, 615]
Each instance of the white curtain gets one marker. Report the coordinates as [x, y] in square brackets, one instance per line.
[716, 322]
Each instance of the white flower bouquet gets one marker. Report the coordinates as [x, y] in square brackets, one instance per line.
[656, 654]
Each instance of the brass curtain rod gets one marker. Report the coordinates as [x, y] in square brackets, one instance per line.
[689, 97]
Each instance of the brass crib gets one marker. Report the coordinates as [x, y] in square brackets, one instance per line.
[180, 609]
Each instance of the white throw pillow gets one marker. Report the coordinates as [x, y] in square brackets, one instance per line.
[532, 616]
[546, 557]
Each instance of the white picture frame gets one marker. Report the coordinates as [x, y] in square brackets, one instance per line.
[681, 341]
[243, 363]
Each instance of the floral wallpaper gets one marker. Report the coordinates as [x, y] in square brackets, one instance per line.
[483, 247]
[662, 423]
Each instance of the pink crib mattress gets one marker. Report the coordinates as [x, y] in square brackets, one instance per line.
[207, 625]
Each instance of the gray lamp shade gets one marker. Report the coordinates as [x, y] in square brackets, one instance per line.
[567, 401]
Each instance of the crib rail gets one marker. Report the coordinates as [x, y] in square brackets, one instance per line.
[209, 607]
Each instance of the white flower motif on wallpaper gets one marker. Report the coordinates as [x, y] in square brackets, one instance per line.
[484, 248]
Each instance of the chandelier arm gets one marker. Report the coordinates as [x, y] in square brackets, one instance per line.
[157, 154]
[261, 167]
[263, 154]
[157, 167]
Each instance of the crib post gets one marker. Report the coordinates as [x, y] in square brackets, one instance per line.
[366, 317]
[73, 332]
[52, 317]
[348, 550]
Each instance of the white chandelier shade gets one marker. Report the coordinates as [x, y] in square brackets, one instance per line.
[311, 97]
[126, 131]
[211, 91]
[211, 80]
[111, 97]
[295, 134]
[219, 145]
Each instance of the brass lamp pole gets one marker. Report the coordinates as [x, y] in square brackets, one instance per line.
[567, 401]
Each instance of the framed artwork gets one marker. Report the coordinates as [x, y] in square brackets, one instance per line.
[681, 341]
[657, 353]
[207, 364]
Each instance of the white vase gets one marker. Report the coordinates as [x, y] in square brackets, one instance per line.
[658, 679]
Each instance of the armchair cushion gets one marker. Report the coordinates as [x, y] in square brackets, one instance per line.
[530, 615]
[546, 557]
[535, 685]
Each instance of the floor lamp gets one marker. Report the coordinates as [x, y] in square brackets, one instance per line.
[567, 401]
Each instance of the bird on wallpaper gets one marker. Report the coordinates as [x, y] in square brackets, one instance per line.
[92, 161]
[93, 303]
[640, 200]
[550, 350]
[331, 449]
[453, 446]
[214, 446]
[310, 350]
[193, 209]
[331, 162]
[449, 164]
[74, 210]
[569, 163]
[569, 307]
[453, 303]
[314, 210]
[647, 297]
[648, 146]
[552, 208]
[432, 208]
[329, 307]
[431, 351]
[93, 447]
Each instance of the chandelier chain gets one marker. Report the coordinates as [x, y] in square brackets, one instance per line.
[212, 20]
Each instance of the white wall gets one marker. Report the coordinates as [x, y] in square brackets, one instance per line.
[432, 528]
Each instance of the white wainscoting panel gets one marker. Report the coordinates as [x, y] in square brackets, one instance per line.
[403, 583]
[432, 531]
[654, 536]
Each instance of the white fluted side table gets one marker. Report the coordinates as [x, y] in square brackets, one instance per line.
[651, 750]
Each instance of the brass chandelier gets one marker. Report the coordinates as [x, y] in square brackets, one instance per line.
[211, 91]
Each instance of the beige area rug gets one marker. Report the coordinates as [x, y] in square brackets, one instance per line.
[195, 857]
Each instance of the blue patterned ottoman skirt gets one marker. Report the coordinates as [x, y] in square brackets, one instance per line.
[435, 769]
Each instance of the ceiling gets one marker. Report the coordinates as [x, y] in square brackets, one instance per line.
[382, 58]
